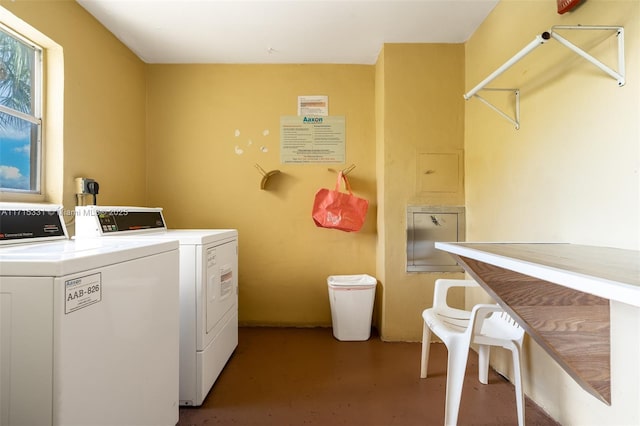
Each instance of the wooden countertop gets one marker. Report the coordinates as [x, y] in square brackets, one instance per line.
[610, 273]
[560, 294]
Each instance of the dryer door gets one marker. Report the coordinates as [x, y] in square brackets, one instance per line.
[221, 284]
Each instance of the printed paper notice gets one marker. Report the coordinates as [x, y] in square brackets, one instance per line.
[313, 105]
[82, 292]
[312, 139]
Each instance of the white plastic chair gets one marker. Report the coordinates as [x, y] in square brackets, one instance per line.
[486, 325]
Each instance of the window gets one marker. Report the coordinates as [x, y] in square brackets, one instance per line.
[20, 113]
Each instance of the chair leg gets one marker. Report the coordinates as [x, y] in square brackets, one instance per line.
[517, 379]
[456, 367]
[483, 363]
[426, 344]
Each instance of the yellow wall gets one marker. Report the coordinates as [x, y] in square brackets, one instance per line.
[198, 176]
[165, 135]
[196, 173]
[569, 174]
[102, 126]
[420, 110]
[150, 133]
[381, 270]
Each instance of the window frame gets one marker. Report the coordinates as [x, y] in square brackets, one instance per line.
[36, 172]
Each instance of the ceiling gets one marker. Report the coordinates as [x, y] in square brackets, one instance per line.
[277, 32]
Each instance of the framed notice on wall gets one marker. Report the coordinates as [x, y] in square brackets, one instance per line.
[312, 139]
[313, 105]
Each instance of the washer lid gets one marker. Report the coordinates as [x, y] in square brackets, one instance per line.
[362, 281]
[59, 258]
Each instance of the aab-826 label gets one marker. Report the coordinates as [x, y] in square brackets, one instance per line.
[81, 292]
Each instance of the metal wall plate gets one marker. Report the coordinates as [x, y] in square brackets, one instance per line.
[425, 226]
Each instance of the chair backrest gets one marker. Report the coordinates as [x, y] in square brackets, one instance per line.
[454, 317]
[499, 325]
[441, 290]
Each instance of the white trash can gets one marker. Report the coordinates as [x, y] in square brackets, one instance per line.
[351, 298]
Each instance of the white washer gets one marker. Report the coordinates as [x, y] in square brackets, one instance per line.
[88, 329]
[208, 287]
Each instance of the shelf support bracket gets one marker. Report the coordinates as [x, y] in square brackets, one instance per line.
[538, 41]
[619, 75]
[515, 120]
[541, 39]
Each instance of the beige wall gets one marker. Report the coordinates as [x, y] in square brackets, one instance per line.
[569, 174]
[101, 126]
[195, 171]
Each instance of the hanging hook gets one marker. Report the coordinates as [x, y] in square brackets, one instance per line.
[348, 169]
[345, 171]
[265, 175]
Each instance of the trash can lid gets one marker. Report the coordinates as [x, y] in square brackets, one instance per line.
[362, 280]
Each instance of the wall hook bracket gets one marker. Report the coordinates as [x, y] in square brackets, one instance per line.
[265, 175]
[345, 171]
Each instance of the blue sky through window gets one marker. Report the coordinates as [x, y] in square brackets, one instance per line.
[15, 164]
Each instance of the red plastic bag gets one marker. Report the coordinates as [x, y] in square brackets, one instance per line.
[339, 210]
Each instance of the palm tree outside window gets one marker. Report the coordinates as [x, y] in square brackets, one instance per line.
[20, 113]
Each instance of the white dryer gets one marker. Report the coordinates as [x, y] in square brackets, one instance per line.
[208, 287]
[88, 329]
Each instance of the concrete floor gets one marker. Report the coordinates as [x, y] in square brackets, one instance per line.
[304, 376]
